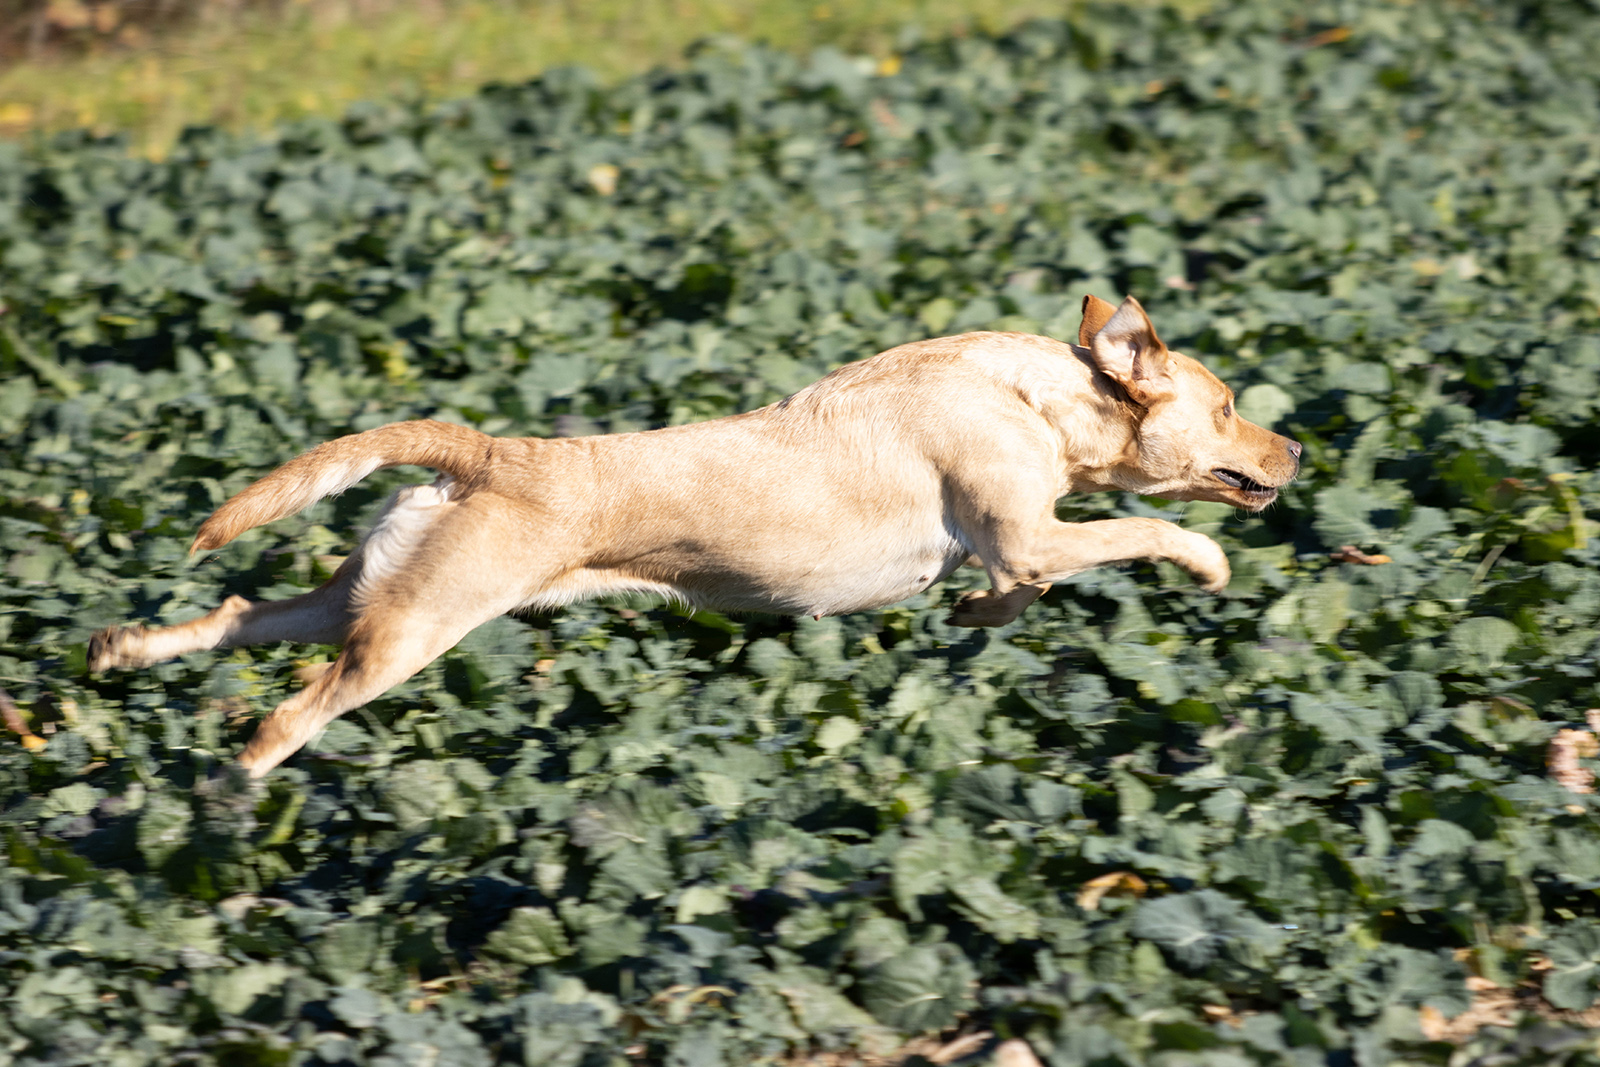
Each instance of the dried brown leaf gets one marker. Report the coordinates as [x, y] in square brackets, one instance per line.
[1352, 554]
[1117, 883]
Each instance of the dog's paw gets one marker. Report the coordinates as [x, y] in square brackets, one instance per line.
[227, 811]
[968, 611]
[116, 646]
[1209, 565]
[986, 607]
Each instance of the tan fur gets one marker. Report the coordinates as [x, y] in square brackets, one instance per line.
[856, 492]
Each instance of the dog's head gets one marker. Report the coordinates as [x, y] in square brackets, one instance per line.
[1190, 443]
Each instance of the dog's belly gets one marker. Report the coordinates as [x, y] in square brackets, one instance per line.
[851, 574]
[834, 583]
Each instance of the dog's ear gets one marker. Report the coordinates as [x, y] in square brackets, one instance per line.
[1096, 313]
[1128, 351]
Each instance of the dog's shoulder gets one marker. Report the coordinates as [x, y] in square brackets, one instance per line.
[986, 350]
[1041, 372]
[980, 344]
[892, 368]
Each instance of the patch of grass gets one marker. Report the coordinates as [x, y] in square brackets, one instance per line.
[315, 57]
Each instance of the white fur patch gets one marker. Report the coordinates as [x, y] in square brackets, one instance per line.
[399, 529]
[586, 585]
[334, 480]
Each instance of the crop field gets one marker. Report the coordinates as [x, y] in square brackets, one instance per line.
[1339, 815]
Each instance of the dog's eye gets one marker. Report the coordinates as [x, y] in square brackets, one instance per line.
[1227, 410]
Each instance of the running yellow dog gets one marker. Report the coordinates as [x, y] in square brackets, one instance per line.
[856, 492]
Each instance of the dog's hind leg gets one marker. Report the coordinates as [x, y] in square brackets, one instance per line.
[458, 573]
[321, 616]
[380, 654]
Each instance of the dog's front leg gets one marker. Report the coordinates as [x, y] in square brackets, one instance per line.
[1023, 561]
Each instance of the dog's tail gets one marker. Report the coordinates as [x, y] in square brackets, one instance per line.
[335, 466]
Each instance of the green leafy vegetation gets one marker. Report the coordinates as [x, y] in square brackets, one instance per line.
[1297, 823]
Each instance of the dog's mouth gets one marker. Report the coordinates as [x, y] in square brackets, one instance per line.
[1259, 495]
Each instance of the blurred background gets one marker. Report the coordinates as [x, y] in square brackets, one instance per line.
[148, 68]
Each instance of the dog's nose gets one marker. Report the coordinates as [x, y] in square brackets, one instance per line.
[1295, 448]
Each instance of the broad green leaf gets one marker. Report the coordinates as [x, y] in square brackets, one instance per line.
[1484, 640]
[1198, 927]
[921, 989]
[532, 936]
